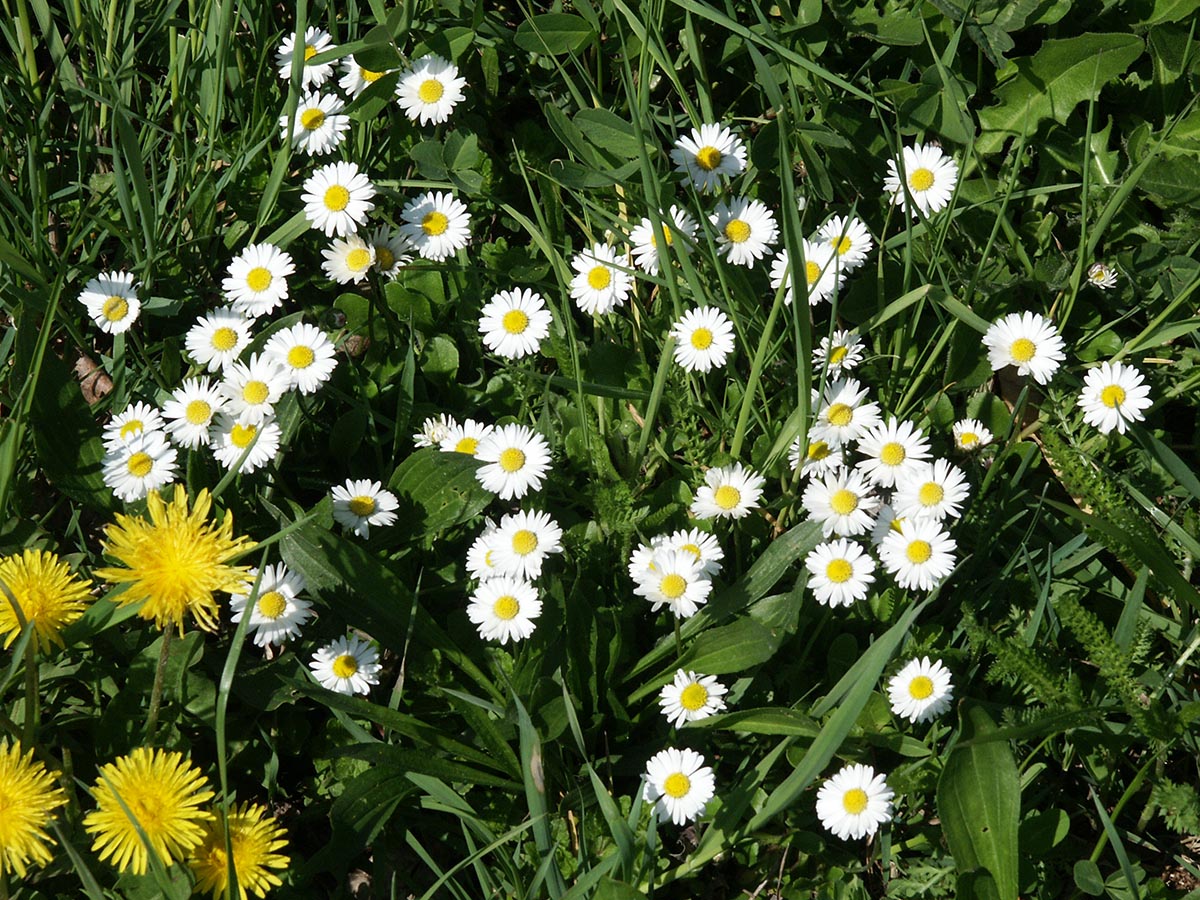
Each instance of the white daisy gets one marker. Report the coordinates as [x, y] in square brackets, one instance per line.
[843, 502]
[505, 609]
[112, 301]
[1027, 341]
[190, 412]
[641, 560]
[679, 785]
[710, 153]
[886, 522]
[434, 430]
[745, 229]
[1113, 395]
[523, 541]
[691, 697]
[854, 802]
[315, 41]
[337, 198]
[513, 323]
[842, 572]
[218, 338]
[251, 389]
[393, 251]
[318, 126]
[849, 238]
[348, 259]
[257, 280]
[728, 492]
[819, 459]
[356, 79]
[921, 690]
[349, 665]
[929, 178]
[842, 416]
[702, 545]
[600, 283]
[437, 224]
[1102, 276]
[823, 275]
[919, 555]
[933, 490]
[230, 437]
[279, 613]
[703, 339]
[839, 352]
[680, 230]
[361, 503]
[481, 557]
[970, 435]
[142, 464]
[429, 90]
[892, 450]
[131, 422]
[305, 355]
[674, 578]
[464, 438]
[516, 460]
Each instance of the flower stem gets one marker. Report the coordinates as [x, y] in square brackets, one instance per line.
[32, 709]
[157, 691]
[678, 640]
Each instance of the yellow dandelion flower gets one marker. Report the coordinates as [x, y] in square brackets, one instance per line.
[254, 837]
[48, 594]
[162, 793]
[176, 561]
[28, 795]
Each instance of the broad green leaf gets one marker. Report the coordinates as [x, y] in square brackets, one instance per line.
[609, 132]
[763, 721]
[1088, 878]
[438, 490]
[554, 33]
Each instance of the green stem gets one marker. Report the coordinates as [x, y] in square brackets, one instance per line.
[678, 640]
[32, 709]
[25, 35]
[739, 434]
[656, 393]
[157, 691]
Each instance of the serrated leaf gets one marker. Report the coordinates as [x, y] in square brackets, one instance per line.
[554, 33]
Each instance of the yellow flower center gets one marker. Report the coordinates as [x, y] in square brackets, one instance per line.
[512, 459]
[132, 427]
[921, 687]
[1022, 350]
[673, 586]
[336, 198]
[515, 321]
[667, 232]
[1112, 396]
[892, 454]
[467, 445]
[843, 502]
[812, 272]
[271, 605]
[920, 180]
[344, 666]
[842, 245]
[692, 549]
[702, 338]
[931, 493]
[435, 223]
[840, 415]
[384, 257]
[968, 439]
[358, 259]
[368, 76]
[896, 525]
[854, 801]
[362, 505]
[737, 231]
[256, 392]
[258, 278]
[727, 496]
[839, 571]
[918, 552]
[241, 435]
[677, 785]
[819, 450]
[140, 464]
[312, 119]
[309, 52]
[837, 354]
[708, 158]
[431, 90]
[524, 542]
[599, 278]
[224, 339]
[300, 357]
[506, 607]
[115, 309]
[197, 412]
[693, 697]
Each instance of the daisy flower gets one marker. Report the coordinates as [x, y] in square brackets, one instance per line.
[703, 339]
[921, 690]
[505, 609]
[337, 198]
[348, 259]
[429, 90]
[464, 438]
[133, 421]
[148, 802]
[279, 612]
[919, 555]
[839, 352]
[481, 557]
[842, 416]
[31, 794]
[255, 839]
[886, 522]
[143, 464]
[680, 231]
[929, 178]
[393, 251]
[315, 41]
[849, 238]
[709, 154]
[641, 560]
[49, 597]
[437, 224]
[356, 79]
[256, 283]
[823, 275]
[523, 540]
[854, 802]
[1027, 341]
[843, 502]
[970, 435]
[516, 460]
[251, 389]
[318, 126]
[361, 503]
[745, 229]
[218, 338]
[892, 451]
[1113, 394]
[230, 437]
[304, 354]
[702, 545]
[841, 571]
[679, 785]
[600, 284]
[821, 458]
[1102, 276]
[691, 697]
[933, 490]
[111, 301]
[434, 430]
[728, 492]
[349, 665]
[513, 323]
[676, 579]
